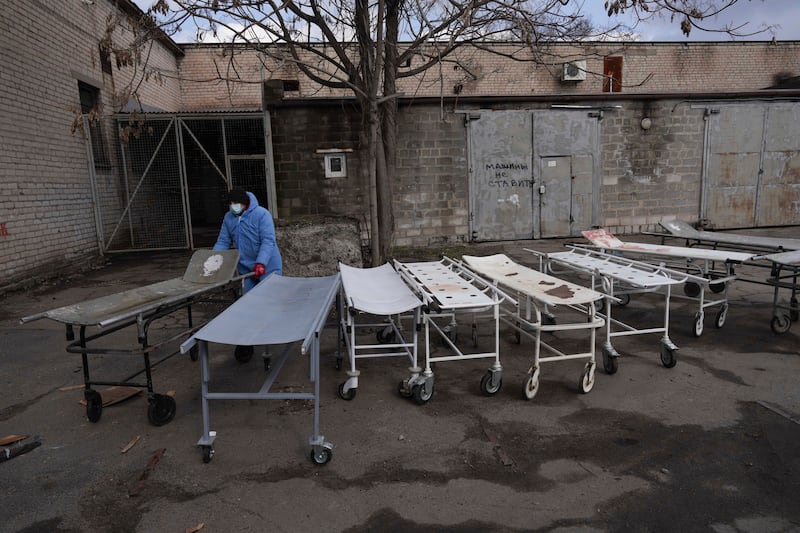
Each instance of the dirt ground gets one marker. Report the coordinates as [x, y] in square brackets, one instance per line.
[712, 444]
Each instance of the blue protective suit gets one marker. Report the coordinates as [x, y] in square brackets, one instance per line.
[253, 234]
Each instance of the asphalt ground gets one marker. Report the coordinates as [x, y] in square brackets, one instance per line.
[712, 444]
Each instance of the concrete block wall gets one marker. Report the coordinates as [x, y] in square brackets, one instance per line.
[431, 193]
[300, 137]
[47, 221]
[654, 174]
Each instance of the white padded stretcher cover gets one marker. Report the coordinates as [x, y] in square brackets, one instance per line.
[379, 290]
[605, 239]
[539, 286]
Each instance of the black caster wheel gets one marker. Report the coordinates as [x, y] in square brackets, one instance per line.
[422, 393]
[487, 388]
[94, 405]
[208, 454]
[348, 394]
[161, 409]
[322, 457]
[243, 353]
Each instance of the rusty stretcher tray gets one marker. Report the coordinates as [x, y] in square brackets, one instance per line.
[208, 272]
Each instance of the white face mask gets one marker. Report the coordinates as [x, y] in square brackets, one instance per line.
[237, 209]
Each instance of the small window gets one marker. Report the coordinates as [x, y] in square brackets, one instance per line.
[291, 85]
[105, 58]
[612, 75]
[336, 165]
[91, 106]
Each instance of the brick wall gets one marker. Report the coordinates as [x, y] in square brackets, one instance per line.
[647, 68]
[46, 215]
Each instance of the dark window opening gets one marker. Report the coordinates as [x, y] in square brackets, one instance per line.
[90, 106]
[291, 85]
[105, 58]
[612, 75]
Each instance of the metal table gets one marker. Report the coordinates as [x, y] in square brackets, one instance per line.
[536, 294]
[278, 311]
[378, 291]
[208, 272]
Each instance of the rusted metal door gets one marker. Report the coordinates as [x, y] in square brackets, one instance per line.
[501, 184]
[752, 175]
[565, 147]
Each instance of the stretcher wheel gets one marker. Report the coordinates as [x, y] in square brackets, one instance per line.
[194, 353]
[339, 363]
[452, 334]
[600, 306]
[486, 384]
[348, 394]
[699, 318]
[322, 457]
[161, 409]
[587, 379]
[531, 386]
[243, 353]
[691, 289]
[403, 390]
[668, 358]
[422, 393]
[609, 362]
[385, 335]
[94, 405]
[722, 314]
[208, 454]
[624, 299]
[780, 324]
[717, 287]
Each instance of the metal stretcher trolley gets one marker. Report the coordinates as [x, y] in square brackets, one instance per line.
[703, 262]
[739, 241]
[278, 311]
[378, 291]
[446, 287]
[619, 277]
[208, 271]
[536, 293]
[784, 274]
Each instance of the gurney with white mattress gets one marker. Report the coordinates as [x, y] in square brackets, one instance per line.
[619, 277]
[536, 294]
[278, 311]
[447, 288]
[208, 272]
[710, 269]
[378, 291]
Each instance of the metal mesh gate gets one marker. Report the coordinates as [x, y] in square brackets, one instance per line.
[169, 187]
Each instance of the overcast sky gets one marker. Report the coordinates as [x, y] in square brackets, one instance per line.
[784, 15]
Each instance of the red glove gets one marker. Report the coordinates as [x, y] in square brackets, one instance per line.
[259, 270]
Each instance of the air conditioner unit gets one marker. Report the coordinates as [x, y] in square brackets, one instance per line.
[573, 71]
